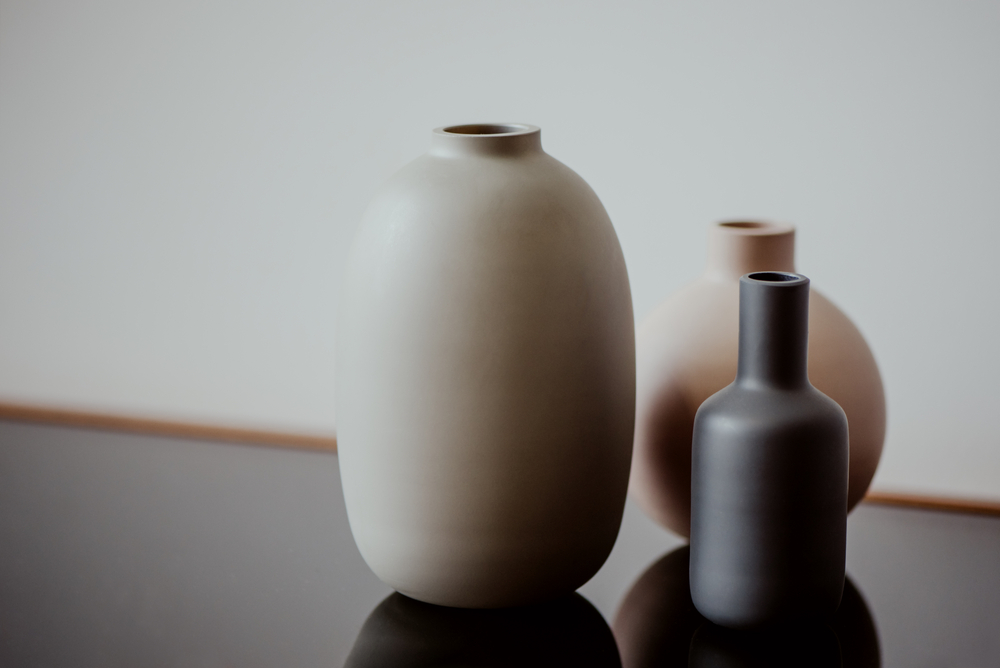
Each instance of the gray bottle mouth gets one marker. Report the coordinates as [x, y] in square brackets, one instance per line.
[780, 277]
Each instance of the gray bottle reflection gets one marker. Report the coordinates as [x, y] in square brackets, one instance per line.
[658, 625]
[402, 632]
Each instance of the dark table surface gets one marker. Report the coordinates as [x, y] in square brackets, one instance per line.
[129, 550]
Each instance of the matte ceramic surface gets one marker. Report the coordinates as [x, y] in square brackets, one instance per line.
[486, 375]
[686, 351]
[769, 474]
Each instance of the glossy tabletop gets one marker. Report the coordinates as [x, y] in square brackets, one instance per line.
[130, 550]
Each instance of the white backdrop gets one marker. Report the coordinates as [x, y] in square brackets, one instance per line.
[180, 181]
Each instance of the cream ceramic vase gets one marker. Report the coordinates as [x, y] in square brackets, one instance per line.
[686, 351]
[485, 375]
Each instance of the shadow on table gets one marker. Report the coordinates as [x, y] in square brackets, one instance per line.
[402, 632]
[658, 625]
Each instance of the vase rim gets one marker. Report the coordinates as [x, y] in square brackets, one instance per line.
[738, 247]
[774, 278]
[757, 228]
[485, 130]
[486, 139]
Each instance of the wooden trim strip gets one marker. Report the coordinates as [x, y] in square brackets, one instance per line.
[975, 506]
[205, 432]
[196, 431]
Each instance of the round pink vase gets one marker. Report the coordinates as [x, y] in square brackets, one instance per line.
[686, 351]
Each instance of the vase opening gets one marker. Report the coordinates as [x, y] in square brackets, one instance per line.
[745, 224]
[755, 227]
[486, 139]
[488, 129]
[773, 277]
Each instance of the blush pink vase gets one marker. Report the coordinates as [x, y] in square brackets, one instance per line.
[686, 351]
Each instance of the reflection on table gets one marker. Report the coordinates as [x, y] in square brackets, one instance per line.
[658, 625]
[403, 632]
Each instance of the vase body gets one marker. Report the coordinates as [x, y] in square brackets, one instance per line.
[485, 375]
[769, 474]
[687, 350]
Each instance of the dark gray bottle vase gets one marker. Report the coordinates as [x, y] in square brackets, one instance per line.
[769, 474]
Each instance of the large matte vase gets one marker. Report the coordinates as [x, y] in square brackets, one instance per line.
[485, 375]
[686, 351]
[769, 474]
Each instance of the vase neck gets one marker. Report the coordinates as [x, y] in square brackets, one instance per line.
[738, 248]
[486, 139]
[774, 330]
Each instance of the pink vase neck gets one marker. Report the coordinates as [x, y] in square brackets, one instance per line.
[485, 139]
[738, 248]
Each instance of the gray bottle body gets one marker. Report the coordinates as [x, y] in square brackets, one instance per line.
[769, 474]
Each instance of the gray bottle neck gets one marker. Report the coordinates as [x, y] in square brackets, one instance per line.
[774, 330]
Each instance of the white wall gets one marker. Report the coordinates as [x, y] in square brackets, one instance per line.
[180, 181]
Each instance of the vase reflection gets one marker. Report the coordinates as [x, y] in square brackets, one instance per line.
[658, 625]
[404, 632]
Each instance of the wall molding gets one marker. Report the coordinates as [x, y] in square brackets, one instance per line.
[176, 429]
[208, 432]
[924, 502]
